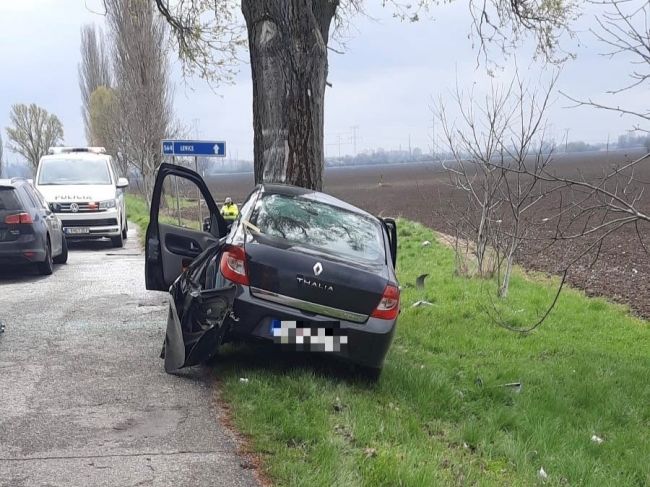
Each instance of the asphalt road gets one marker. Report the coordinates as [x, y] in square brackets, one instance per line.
[84, 399]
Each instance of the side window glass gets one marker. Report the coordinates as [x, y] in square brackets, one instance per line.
[30, 197]
[182, 204]
[40, 198]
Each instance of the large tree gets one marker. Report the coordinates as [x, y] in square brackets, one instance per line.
[94, 70]
[141, 112]
[288, 44]
[33, 132]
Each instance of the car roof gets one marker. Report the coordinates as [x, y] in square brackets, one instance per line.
[76, 156]
[289, 190]
[13, 182]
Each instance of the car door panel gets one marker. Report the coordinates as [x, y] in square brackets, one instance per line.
[180, 247]
[169, 248]
[196, 321]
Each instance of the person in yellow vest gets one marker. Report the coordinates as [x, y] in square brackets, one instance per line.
[229, 210]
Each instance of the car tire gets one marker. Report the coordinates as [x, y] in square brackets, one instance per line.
[118, 241]
[45, 268]
[125, 231]
[62, 258]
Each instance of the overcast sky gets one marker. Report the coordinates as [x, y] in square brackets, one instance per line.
[384, 83]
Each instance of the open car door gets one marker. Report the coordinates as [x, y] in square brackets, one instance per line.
[170, 248]
[182, 259]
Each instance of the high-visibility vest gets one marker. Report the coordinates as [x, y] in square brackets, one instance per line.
[230, 212]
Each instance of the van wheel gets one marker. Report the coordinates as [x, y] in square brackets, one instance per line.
[62, 258]
[117, 241]
[45, 267]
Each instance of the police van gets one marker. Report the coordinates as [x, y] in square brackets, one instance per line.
[83, 187]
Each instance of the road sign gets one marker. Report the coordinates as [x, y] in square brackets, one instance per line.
[194, 148]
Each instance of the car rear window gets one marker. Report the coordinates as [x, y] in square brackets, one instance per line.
[318, 225]
[9, 199]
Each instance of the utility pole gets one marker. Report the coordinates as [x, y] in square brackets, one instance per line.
[410, 152]
[354, 129]
[566, 140]
[339, 139]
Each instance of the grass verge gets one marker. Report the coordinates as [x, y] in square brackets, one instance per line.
[440, 414]
[138, 213]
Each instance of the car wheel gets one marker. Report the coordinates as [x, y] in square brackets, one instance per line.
[62, 258]
[45, 267]
[125, 231]
[117, 241]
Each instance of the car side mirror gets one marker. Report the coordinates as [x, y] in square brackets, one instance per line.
[122, 182]
[207, 224]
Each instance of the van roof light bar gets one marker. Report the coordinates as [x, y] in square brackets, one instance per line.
[69, 150]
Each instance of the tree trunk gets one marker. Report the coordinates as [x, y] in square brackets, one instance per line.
[288, 51]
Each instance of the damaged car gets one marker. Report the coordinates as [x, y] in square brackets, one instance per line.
[298, 268]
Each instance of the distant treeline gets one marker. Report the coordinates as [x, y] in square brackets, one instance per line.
[378, 156]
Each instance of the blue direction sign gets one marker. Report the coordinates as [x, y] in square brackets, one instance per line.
[201, 148]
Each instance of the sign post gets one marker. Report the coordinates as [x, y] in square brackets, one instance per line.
[196, 149]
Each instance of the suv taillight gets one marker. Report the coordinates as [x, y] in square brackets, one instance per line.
[19, 218]
[388, 307]
[233, 265]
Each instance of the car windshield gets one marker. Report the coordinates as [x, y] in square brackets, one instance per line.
[74, 171]
[8, 199]
[321, 226]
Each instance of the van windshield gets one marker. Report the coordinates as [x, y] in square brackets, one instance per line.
[74, 171]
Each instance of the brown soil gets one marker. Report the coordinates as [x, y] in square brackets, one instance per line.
[422, 192]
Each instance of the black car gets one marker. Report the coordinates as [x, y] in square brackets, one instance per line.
[298, 267]
[30, 232]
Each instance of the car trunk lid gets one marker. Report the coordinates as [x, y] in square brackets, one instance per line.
[280, 270]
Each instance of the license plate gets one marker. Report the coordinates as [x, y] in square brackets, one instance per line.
[77, 230]
[311, 337]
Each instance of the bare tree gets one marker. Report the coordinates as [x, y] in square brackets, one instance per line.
[288, 41]
[143, 93]
[524, 150]
[473, 145]
[498, 152]
[624, 29]
[94, 71]
[33, 132]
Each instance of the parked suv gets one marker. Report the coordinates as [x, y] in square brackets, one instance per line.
[83, 187]
[29, 231]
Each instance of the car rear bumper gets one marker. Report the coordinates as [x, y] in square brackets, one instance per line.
[24, 250]
[367, 343]
[93, 225]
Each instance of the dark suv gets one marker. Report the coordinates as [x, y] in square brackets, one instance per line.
[30, 232]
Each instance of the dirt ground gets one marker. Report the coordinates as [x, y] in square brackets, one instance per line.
[422, 192]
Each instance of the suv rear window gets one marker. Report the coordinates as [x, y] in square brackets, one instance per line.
[318, 225]
[9, 199]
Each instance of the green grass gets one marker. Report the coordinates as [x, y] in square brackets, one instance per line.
[138, 213]
[439, 414]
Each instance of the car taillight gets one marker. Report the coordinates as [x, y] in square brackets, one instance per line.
[233, 265]
[18, 218]
[388, 307]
